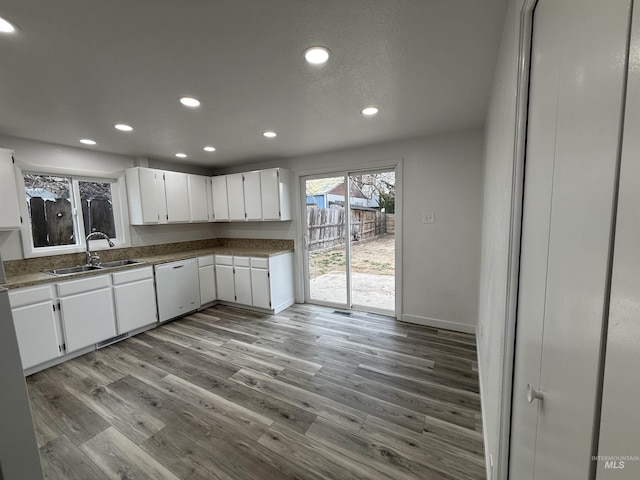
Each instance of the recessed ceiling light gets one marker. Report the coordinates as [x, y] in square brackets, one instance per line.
[6, 26]
[88, 141]
[369, 111]
[209, 149]
[123, 127]
[181, 155]
[189, 102]
[269, 134]
[316, 55]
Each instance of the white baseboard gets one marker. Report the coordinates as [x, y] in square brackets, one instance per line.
[483, 413]
[434, 322]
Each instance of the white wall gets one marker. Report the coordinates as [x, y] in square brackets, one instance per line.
[496, 210]
[441, 173]
[48, 157]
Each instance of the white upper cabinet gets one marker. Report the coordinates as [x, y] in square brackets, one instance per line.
[219, 198]
[209, 193]
[177, 192]
[10, 211]
[146, 197]
[252, 197]
[235, 196]
[275, 194]
[157, 196]
[198, 198]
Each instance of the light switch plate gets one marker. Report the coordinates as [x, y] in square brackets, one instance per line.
[428, 217]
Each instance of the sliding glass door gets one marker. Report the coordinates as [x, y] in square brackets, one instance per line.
[349, 240]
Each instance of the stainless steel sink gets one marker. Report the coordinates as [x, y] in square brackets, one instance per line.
[59, 272]
[119, 263]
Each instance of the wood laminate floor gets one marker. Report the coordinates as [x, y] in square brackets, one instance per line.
[230, 394]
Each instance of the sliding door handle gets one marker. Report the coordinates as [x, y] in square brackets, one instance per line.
[533, 394]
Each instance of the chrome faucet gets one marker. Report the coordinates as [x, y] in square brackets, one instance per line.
[95, 259]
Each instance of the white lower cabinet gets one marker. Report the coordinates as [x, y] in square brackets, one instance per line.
[242, 280]
[260, 287]
[207, 276]
[87, 311]
[37, 324]
[224, 278]
[261, 282]
[135, 299]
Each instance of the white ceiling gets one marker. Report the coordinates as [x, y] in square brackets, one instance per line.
[76, 67]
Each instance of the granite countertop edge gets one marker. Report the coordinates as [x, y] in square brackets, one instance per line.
[39, 278]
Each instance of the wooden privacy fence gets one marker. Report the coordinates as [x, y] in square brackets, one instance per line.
[326, 227]
[52, 220]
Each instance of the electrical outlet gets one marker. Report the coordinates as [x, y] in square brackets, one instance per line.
[428, 217]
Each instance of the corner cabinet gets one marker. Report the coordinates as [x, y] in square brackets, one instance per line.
[207, 276]
[10, 211]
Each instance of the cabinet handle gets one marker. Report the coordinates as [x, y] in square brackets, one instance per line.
[533, 394]
[178, 266]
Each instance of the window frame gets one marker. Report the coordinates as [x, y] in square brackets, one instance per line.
[120, 216]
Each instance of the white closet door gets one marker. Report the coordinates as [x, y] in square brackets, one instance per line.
[620, 419]
[575, 107]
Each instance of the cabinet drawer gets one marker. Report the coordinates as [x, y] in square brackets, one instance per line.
[132, 275]
[74, 287]
[259, 262]
[242, 261]
[29, 296]
[204, 261]
[224, 260]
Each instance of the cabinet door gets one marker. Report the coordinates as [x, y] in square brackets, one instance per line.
[148, 195]
[220, 200]
[198, 211]
[235, 195]
[207, 284]
[252, 198]
[225, 283]
[88, 318]
[135, 305]
[260, 291]
[10, 211]
[243, 285]
[209, 193]
[175, 184]
[270, 192]
[38, 337]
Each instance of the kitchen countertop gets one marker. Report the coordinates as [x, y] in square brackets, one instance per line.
[37, 278]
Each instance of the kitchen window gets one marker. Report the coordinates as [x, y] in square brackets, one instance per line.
[62, 210]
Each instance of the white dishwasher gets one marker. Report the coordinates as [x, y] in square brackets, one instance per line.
[177, 288]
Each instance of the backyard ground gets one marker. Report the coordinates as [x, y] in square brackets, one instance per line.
[372, 279]
[374, 256]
